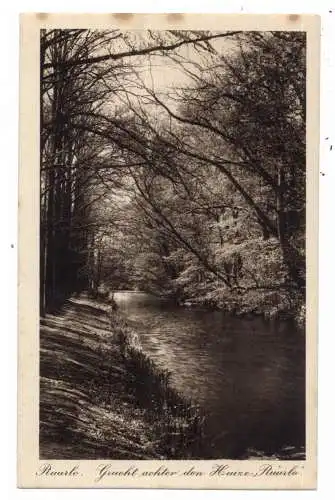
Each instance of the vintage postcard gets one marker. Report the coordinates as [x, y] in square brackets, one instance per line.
[168, 251]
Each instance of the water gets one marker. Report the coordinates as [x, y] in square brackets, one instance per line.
[247, 375]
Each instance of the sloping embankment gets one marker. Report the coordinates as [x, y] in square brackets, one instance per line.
[102, 398]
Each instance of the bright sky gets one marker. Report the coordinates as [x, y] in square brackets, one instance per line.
[162, 73]
[166, 73]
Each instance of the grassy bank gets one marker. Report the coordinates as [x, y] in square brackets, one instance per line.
[101, 397]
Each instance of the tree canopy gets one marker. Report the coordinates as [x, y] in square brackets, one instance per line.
[194, 191]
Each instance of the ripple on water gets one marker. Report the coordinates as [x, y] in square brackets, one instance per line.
[247, 374]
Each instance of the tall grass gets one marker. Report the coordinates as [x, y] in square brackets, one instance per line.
[177, 424]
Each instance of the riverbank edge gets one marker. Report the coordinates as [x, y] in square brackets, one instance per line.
[289, 304]
[298, 314]
[120, 383]
[295, 313]
[177, 422]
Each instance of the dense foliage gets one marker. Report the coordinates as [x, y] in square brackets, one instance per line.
[196, 193]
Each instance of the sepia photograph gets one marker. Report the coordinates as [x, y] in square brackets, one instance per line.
[172, 309]
[172, 244]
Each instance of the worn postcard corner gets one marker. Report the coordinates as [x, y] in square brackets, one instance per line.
[168, 275]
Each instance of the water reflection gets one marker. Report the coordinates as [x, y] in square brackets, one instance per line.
[247, 374]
